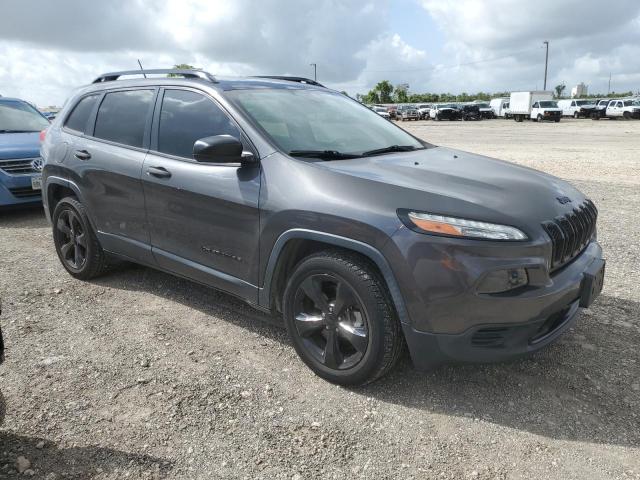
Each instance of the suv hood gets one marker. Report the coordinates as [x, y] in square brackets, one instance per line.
[451, 182]
[19, 145]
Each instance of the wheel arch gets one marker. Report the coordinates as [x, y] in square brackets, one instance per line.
[295, 244]
[58, 188]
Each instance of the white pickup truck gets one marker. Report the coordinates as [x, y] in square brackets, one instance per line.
[536, 106]
[623, 109]
[576, 108]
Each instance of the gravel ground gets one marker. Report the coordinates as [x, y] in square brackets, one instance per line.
[142, 375]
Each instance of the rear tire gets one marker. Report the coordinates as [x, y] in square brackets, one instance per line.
[340, 318]
[76, 243]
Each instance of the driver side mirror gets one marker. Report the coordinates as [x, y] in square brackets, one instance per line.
[221, 149]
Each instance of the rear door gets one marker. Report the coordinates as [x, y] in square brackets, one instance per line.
[106, 163]
[203, 218]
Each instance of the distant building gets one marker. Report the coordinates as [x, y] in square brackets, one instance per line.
[579, 90]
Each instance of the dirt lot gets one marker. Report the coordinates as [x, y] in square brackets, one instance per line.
[142, 375]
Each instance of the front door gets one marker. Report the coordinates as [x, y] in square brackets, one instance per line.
[203, 218]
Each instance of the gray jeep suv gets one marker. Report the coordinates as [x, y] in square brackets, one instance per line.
[301, 201]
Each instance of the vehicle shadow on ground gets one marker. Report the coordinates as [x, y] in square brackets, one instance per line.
[22, 218]
[74, 462]
[581, 388]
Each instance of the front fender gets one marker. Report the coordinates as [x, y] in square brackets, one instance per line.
[368, 251]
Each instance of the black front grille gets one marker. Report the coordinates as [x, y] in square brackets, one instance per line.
[571, 233]
[23, 192]
[20, 166]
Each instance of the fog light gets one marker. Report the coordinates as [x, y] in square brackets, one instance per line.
[503, 280]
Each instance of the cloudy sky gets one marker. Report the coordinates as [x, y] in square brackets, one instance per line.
[50, 47]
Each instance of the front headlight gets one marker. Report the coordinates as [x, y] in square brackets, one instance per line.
[460, 227]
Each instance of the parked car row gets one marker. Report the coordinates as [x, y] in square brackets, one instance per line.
[532, 105]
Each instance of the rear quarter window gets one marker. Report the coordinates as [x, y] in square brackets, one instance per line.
[79, 117]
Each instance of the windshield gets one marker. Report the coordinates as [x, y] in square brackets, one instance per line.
[548, 104]
[20, 117]
[319, 120]
[482, 105]
[584, 102]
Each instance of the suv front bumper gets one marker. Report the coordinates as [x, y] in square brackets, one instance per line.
[448, 321]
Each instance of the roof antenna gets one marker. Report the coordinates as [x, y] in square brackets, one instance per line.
[145, 75]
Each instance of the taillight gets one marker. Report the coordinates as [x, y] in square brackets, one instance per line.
[43, 134]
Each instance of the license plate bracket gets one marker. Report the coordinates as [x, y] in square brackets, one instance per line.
[36, 182]
[592, 282]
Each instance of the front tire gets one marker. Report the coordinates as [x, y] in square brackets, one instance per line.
[76, 243]
[340, 318]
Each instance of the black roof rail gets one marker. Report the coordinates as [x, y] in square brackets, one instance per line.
[111, 76]
[292, 79]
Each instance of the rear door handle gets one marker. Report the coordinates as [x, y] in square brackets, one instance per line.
[159, 172]
[82, 155]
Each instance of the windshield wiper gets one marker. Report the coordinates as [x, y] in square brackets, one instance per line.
[324, 154]
[390, 149]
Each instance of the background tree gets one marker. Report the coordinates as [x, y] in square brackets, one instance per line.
[559, 89]
[383, 91]
[182, 66]
[371, 97]
[400, 94]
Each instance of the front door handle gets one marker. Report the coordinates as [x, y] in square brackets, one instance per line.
[82, 155]
[159, 172]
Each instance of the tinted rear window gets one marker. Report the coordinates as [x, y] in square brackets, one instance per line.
[186, 117]
[80, 115]
[122, 117]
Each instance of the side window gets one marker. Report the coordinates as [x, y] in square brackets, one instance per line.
[619, 104]
[122, 116]
[573, 104]
[80, 115]
[535, 105]
[187, 116]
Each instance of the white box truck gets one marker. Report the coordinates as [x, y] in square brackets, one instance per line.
[500, 107]
[537, 106]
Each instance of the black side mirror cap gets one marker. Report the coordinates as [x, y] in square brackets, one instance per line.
[221, 149]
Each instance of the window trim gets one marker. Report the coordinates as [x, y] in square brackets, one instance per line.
[155, 128]
[147, 128]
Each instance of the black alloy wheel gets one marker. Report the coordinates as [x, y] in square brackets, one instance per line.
[341, 319]
[76, 243]
[72, 239]
[330, 319]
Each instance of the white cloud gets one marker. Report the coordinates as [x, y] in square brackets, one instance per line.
[588, 39]
[69, 42]
[48, 48]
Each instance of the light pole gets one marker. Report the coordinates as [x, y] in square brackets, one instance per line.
[315, 71]
[546, 62]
